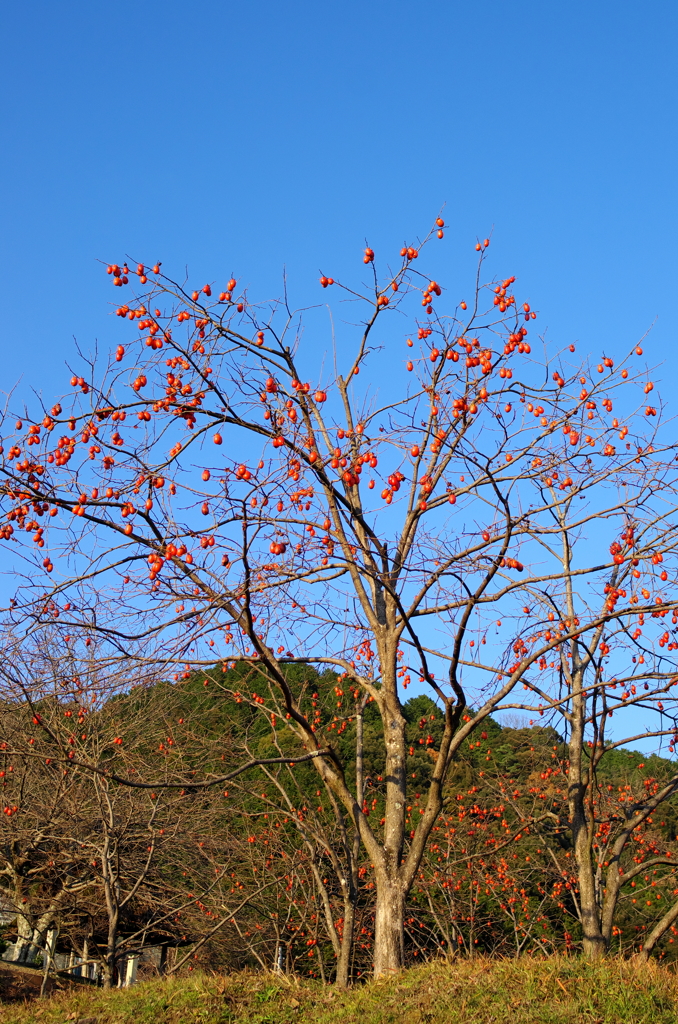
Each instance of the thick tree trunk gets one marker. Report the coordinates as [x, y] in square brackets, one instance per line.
[389, 944]
[39, 939]
[23, 940]
[108, 972]
[593, 941]
[594, 946]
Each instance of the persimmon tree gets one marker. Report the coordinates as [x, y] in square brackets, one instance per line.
[608, 687]
[38, 869]
[238, 491]
[606, 826]
[113, 865]
[40, 874]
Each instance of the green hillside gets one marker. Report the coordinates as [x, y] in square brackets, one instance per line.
[478, 991]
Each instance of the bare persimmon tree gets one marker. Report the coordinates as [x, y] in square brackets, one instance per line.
[39, 871]
[85, 846]
[244, 483]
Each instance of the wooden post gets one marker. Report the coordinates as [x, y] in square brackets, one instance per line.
[130, 971]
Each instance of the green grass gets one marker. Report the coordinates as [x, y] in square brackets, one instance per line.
[479, 991]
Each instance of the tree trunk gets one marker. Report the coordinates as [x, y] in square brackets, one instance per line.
[350, 885]
[344, 961]
[23, 939]
[593, 942]
[109, 971]
[610, 901]
[593, 945]
[389, 944]
[657, 932]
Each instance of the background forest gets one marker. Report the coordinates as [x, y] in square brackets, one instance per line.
[252, 875]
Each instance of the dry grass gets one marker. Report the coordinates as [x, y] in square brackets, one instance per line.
[480, 991]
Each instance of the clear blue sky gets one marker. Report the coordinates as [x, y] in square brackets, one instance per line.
[242, 137]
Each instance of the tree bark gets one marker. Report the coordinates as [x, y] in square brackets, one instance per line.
[593, 941]
[23, 938]
[344, 960]
[109, 961]
[389, 939]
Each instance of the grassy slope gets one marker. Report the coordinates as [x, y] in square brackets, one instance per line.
[476, 992]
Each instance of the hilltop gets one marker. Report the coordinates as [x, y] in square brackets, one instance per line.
[476, 991]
